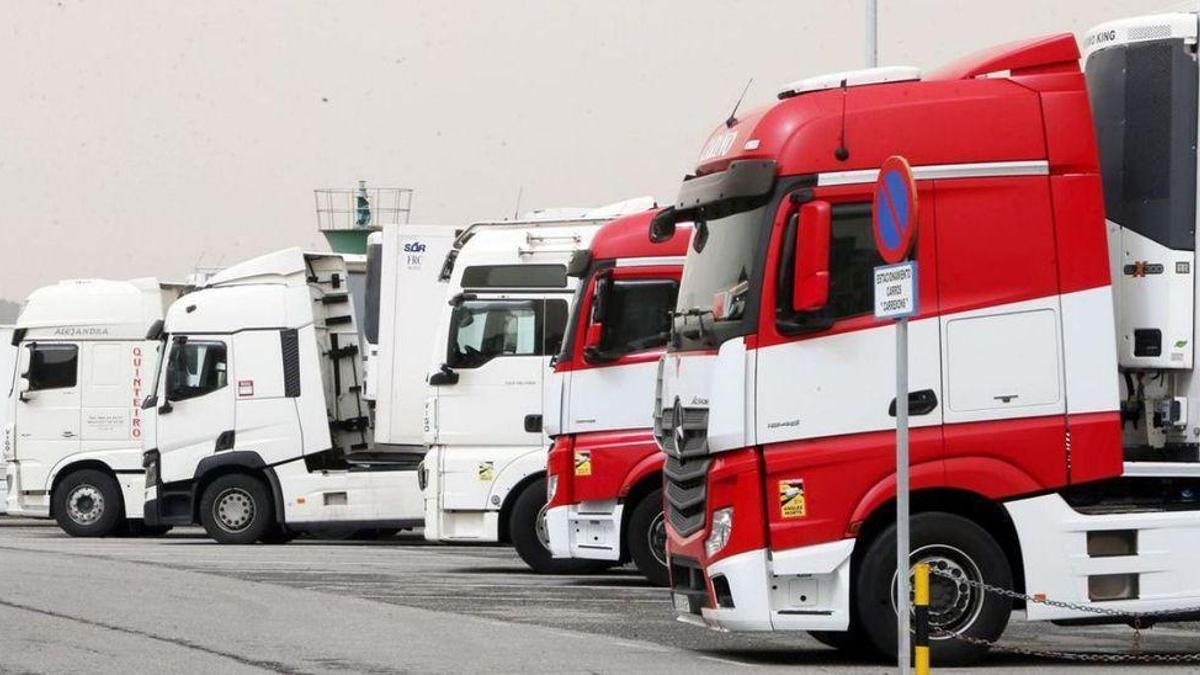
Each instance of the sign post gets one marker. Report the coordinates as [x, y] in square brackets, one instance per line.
[895, 220]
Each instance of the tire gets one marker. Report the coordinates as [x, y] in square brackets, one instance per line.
[237, 509]
[525, 522]
[88, 503]
[953, 544]
[646, 539]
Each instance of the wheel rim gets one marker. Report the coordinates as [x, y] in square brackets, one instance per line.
[542, 531]
[85, 504]
[656, 536]
[233, 510]
[955, 601]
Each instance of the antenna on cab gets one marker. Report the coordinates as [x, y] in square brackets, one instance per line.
[733, 114]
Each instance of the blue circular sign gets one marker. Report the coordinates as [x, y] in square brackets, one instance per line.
[895, 210]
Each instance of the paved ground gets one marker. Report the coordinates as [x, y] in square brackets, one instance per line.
[183, 604]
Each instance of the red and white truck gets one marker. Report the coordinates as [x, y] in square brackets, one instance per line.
[1055, 408]
[604, 470]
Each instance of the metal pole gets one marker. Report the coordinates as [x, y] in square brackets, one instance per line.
[872, 33]
[902, 583]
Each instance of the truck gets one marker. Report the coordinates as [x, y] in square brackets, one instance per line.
[1053, 396]
[8, 363]
[484, 477]
[73, 421]
[604, 470]
[257, 426]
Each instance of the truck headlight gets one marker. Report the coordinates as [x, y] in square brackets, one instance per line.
[422, 477]
[551, 487]
[718, 535]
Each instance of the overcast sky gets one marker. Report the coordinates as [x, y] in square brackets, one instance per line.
[145, 137]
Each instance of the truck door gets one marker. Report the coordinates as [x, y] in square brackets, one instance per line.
[112, 389]
[1002, 331]
[826, 382]
[500, 349]
[196, 404]
[47, 411]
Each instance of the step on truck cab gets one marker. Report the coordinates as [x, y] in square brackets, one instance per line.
[774, 401]
[509, 297]
[604, 470]
[74, 423]
[258, 411]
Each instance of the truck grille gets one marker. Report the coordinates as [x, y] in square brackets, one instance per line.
[686, 485]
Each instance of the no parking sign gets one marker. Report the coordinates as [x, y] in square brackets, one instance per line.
[894, 218]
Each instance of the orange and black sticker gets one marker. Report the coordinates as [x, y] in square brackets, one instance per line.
[583, 462]
[791, 498]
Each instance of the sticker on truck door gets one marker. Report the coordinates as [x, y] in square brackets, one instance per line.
[791, 498]
[583, 462]
[486, 471]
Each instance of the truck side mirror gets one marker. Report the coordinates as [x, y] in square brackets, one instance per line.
[444, 376]
[662, 225]
[595, 328]
[23, 387]
[810, 289]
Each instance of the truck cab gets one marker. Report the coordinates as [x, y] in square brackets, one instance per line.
[74, 424]
[775, 403]
[258, 413]
[509, 296]
[604, 469]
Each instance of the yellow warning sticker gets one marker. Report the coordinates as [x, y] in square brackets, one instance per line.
[583, 462]
[791, 498]
[486, 470]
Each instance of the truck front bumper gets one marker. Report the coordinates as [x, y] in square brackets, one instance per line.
[588, 531]
[798, 589]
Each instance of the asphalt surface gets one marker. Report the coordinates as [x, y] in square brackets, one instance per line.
[180, 603]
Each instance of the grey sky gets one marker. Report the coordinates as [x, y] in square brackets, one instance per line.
[144, 137]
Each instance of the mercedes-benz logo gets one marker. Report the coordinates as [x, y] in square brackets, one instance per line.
[677, 431]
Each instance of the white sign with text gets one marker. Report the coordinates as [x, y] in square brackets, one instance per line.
[896, 290]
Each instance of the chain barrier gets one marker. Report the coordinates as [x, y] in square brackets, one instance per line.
[1134, 655]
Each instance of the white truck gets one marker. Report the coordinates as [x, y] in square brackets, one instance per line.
[74, 426]
[259, 429]
[485, 473]
[8, 364]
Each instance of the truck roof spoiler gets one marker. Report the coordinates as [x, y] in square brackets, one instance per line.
[1046, 54]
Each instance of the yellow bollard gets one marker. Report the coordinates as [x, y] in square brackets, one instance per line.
[921, 615]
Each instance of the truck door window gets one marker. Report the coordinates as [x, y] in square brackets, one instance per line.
[196, 368]
[852, 257]
[482, 330]
[53, 366]
[638, 315]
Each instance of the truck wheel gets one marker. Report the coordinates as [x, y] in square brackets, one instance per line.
[953, 545]
[88, 503]
[237, 509]
[526, 526]
[646, 539]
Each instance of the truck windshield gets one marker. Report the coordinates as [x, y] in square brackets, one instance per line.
[720, 266]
